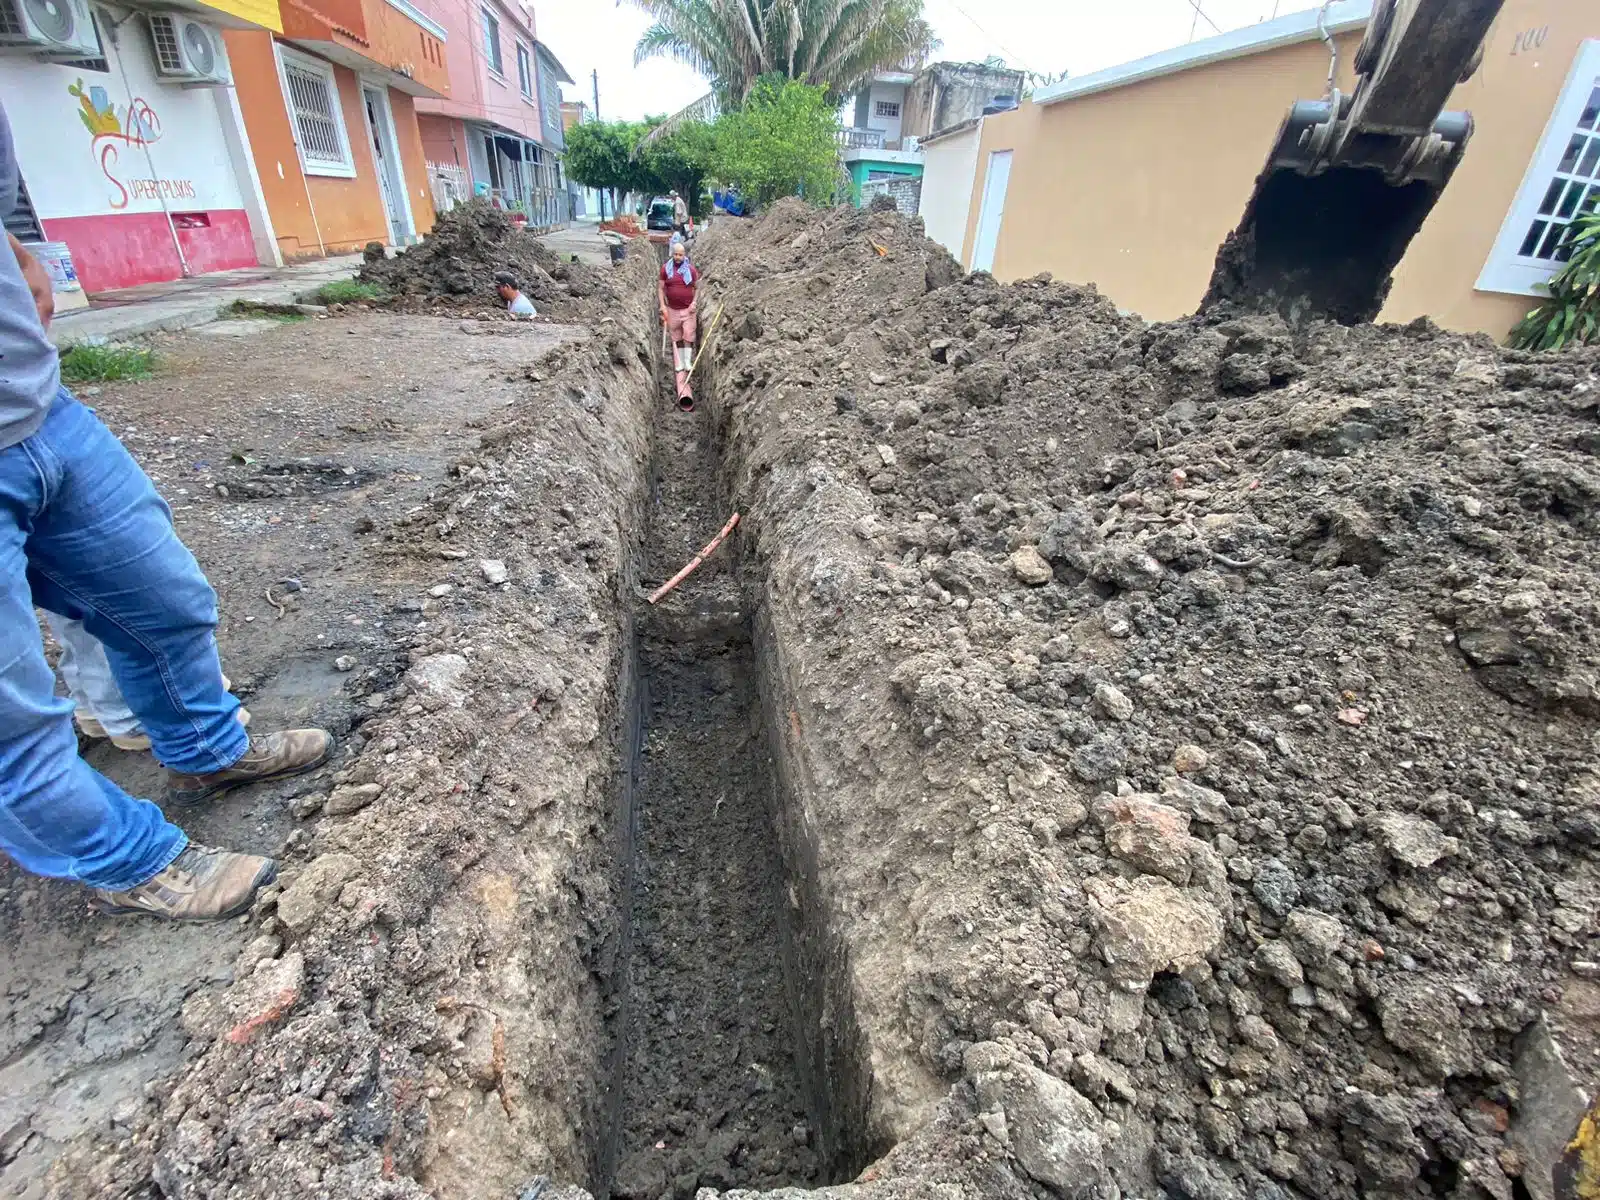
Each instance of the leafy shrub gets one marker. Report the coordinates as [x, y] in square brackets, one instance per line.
[1572, 314]
[348, 291]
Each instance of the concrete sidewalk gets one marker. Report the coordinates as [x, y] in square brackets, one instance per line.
[130, 313]
[581, 238]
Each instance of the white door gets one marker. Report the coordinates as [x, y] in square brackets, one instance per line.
[387, 162]
[994, 208]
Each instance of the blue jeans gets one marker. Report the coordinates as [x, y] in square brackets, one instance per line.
[84, 534]
[86, 671]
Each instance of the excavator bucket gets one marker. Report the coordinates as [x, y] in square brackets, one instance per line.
[1320, 240]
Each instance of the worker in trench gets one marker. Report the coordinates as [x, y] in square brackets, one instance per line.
[84, 535]
[680, 215]
[509, 288]
[675, 291]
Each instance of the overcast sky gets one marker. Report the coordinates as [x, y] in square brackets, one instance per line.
[1047, 36]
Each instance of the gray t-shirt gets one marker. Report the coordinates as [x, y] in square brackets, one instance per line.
[30, 371]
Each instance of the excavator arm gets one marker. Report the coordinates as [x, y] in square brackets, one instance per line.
[1352, 177]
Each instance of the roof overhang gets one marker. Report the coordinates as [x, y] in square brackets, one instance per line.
[885, 156]
[224, 14]
[1342, 16]
[368, 68]
[510, 135]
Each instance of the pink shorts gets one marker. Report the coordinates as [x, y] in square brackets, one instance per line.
[681, 324]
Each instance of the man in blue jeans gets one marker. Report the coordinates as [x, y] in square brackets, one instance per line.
[83, 534]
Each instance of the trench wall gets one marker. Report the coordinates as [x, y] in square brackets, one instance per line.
[423, 1011]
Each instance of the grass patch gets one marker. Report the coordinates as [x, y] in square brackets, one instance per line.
[104, 363]
[348, 291]
[242, 311]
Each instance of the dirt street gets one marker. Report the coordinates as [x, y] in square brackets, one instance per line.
[319, 432]
[1107, 759]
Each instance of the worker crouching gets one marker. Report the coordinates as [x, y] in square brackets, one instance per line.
[675, 290]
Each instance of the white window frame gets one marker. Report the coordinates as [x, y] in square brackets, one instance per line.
[1506, 270]
[346, 167]
[878, 107]
[525, 79]
[490, 22]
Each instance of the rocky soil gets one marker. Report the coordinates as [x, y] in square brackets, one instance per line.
[1202, 718]
[417, 1009]
[1179, 744]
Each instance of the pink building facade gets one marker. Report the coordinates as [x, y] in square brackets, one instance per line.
[499, 134]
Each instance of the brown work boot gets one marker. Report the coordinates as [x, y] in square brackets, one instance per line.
[201, 884]
[270, 756]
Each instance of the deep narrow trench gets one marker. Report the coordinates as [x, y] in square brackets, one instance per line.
[710, 1079]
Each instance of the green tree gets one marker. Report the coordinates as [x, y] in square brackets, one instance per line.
[680, 161]
[783, 142]
[833, 44]
[613, 156]
[1572, 314]
[601, 154]
[598, 156]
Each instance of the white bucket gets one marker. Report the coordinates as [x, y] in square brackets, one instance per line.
[56, 259]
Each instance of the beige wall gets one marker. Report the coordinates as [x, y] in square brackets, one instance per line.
[1134, 188]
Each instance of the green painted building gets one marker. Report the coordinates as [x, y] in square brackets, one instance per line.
[864, 165]
[871, 162]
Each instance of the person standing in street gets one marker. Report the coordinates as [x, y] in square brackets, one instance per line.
[680, 216]
[675, 292]
[83, 534]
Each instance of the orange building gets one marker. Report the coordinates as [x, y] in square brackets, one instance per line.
[329, 108]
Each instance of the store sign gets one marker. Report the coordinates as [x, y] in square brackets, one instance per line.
[132, 129]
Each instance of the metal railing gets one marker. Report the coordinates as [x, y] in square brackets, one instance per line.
[861, 139]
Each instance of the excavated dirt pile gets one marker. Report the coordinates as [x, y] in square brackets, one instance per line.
[1107, 759]
[455, 266]
[1200, 721]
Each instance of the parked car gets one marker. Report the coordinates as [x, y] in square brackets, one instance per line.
[659, 215]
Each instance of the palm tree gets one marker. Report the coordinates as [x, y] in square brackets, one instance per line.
[836, 44]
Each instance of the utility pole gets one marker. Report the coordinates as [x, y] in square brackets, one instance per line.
[602, 191]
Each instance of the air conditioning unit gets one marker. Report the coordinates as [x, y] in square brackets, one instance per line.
[49, 28]
[187, 48]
